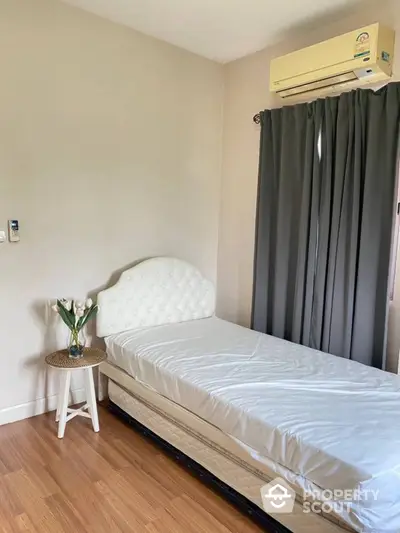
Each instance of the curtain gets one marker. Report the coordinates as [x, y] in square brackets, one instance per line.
[324, 222]
[286, 221]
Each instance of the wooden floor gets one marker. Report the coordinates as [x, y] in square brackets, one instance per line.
[114, 481]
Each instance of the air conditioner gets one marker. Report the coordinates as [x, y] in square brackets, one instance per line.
[355, 59]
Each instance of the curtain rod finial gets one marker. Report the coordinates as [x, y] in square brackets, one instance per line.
[257, 118]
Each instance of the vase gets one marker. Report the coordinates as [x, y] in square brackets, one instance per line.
[76, 344]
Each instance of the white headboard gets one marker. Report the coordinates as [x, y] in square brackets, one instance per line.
[157, 291]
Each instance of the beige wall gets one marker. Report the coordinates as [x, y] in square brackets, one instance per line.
[110, 147]
[246, 93]
[110, 151]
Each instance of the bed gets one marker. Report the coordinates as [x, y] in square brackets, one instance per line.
[249, 408]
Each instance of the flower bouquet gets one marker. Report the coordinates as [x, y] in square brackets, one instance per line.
[76, 314]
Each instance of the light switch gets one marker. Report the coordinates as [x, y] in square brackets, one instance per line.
[3, 237]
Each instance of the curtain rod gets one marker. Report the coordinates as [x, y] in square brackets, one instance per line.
[257, 118]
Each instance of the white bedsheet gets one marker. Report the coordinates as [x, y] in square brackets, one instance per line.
[333, 422]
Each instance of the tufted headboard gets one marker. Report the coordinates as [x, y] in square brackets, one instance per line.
[157, 291]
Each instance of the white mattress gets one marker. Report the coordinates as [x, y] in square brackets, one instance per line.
[330, 421]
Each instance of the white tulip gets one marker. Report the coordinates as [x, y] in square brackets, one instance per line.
[89, 303]
[67, 304]
[79, 312]
[79, 304]
[55, 308]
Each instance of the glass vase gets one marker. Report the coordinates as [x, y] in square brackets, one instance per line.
[76, 344]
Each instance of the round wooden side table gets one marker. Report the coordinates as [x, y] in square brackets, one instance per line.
[59, 360]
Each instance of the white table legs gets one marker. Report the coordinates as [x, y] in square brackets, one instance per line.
[64, 413]
[91, 398]
[65, 382]
[60, 389]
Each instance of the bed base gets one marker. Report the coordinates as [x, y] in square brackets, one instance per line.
[210, 448]
[235, 498]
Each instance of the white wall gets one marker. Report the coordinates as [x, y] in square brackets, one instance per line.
[246, 93]
[110, 146]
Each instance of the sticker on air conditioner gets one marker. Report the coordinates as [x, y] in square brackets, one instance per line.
[362, 46]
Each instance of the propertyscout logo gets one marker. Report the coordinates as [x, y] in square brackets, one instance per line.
[279, 497]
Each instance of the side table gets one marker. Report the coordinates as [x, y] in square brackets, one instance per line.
[59, 360]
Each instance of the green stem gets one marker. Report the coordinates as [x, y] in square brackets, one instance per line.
[75, 336]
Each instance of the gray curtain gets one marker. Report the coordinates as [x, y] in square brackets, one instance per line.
[324, 222]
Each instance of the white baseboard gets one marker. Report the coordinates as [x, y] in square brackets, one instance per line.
[36, 407]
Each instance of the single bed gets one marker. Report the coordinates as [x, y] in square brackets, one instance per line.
[249, 407]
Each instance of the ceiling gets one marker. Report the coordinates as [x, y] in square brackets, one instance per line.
[221, 30]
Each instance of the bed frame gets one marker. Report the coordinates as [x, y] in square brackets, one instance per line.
[165, 290]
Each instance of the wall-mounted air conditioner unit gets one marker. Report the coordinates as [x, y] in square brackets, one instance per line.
[358, 58]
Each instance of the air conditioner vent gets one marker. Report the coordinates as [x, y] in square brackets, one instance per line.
[320, 84]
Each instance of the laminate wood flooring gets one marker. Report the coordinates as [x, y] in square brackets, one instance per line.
[115, 481]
